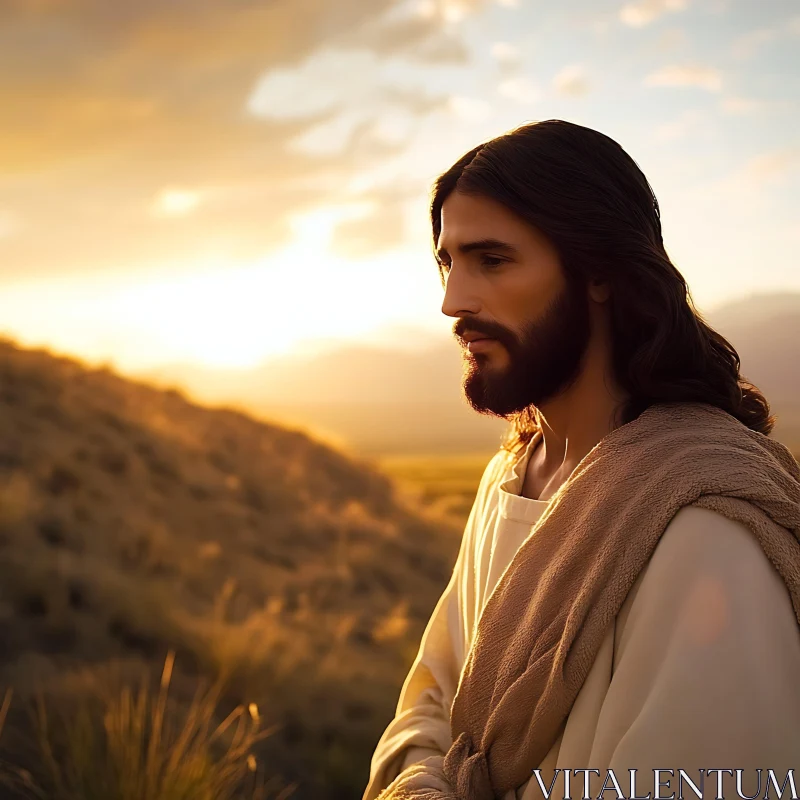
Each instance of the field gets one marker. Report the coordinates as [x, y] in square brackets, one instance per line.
[444, 484]
[140, 531]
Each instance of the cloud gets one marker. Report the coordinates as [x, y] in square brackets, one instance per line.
[738, 105]
[776, 164]
[637, 15]
[571, 81]
[689, 121]
[742, 105]
[419, 30]
[131, 98]
[469, 109]
[443, 11]
[686, 75]
[747, 45]
[381, 228]
[444, 49]
[505, 53]
[175, 202]
[671, 39]
[519, 89]
[8, 224]
[349, 98]
[507, 57]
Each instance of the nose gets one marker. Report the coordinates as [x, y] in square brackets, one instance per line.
[460, 298]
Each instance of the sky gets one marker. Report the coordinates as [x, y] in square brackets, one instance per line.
[219, 183]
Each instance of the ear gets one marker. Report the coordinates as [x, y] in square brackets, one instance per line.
[599, 291]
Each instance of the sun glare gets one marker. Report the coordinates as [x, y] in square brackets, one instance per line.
[176, 202]
[226, 316]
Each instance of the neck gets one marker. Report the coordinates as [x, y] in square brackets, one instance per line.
[574, 422]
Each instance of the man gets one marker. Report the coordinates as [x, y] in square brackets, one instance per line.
[578, 329]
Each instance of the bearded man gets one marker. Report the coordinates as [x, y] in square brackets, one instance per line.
[626, 598]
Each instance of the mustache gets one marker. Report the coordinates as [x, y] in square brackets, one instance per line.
[482, 329]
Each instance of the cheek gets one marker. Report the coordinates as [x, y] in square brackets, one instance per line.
[523, 303]
[531, 291]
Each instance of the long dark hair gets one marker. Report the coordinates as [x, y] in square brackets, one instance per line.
[583, 191]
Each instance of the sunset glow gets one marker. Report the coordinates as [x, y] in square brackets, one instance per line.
[223, 315]
[249, 186]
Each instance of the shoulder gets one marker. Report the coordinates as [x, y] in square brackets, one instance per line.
[701, 543]
[697, 539]
[706, 655]
[708, 579]
[484, 502]
[498, 468]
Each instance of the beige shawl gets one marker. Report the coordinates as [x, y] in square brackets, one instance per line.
[543, 624]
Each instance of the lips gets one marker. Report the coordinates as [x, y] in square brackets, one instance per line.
[474, 337]
[479, 345]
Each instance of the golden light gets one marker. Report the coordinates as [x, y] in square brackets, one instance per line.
[176, 202]
[229, 316]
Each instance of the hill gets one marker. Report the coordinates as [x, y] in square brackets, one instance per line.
[370, 400]
[766, 333]
[133, 521]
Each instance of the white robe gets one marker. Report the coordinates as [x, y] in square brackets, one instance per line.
[700, 669]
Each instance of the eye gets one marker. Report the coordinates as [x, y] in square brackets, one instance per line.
[491, 262]
[487, 261]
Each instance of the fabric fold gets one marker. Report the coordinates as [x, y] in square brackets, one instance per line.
[541, 628]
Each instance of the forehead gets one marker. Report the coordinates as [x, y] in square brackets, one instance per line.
[465, 217]
[462, 211]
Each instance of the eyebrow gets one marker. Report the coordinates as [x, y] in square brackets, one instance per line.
[480, 244]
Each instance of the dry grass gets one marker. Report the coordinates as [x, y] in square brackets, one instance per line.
[121, 744]
[9, 773]
[443, 486]
[134, 523]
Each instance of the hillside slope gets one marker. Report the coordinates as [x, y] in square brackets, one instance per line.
[133, 521]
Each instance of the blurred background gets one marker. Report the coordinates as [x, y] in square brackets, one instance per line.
[235, 457]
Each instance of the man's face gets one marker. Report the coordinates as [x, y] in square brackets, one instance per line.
[539, 322]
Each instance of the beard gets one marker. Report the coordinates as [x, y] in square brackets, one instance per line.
[543, 361]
